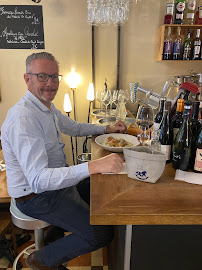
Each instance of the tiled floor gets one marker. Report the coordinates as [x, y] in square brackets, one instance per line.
[96, 260]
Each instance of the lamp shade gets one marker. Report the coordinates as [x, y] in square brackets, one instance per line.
[67, 104]
[90, 93]
[73, 79]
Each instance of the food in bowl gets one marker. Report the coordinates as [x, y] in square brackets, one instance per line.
[115, 142]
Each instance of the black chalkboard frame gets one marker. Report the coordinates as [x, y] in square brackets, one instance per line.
[21, 27]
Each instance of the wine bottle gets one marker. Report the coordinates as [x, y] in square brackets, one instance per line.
[177, 119]
[168, 19]
[198, 159]
[187, 47]
[197, 46]
[167, 48]
[198, 16]
[195, 125]
[159, 115]
[177, 45]
[182, 147]
[179, 11]
[189, 12]
[165, 132]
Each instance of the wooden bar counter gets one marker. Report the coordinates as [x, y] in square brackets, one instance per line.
[4, 196]
[119, 200]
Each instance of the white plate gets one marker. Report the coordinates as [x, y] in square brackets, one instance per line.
[100, 139]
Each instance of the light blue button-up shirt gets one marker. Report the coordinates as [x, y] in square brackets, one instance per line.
[33, 149]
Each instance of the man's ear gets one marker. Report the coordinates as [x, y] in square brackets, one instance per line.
[26, 78]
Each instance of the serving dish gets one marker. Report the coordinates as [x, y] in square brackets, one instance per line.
[102, 114]
[129, 138]
[112, 120]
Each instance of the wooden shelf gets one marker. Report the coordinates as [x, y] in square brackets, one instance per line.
[184, 28]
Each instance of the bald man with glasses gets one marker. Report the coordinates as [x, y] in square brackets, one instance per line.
[39, 179]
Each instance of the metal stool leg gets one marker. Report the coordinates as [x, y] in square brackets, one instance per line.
[39, 244]
[39, 238]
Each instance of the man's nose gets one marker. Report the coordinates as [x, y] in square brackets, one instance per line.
[49, 81]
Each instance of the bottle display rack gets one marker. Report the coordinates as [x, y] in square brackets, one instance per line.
[184, 28]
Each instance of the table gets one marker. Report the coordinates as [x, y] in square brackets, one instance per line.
[4, 196]
[119, 200]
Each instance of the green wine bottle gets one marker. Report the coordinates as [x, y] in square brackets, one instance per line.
[182, 148]
[187, 47]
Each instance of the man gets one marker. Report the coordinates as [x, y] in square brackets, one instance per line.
[39, 178]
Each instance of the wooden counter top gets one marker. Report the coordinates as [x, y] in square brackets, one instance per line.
[119, 200]
[4, 196]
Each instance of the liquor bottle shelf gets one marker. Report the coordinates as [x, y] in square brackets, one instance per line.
[184, 27]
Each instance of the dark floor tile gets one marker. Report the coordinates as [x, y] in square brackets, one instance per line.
[96, 267]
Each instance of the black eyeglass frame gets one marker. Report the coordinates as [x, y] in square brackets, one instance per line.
[48, 76]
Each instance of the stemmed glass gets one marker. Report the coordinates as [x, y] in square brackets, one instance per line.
[99, 94]
[115, 97]
[123, 96]
[144, 119]
[106, 99]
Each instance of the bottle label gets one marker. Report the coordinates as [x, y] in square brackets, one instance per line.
[180, 7]
[190, 15]
[167, 47]
[156, 125]
[181, 158]
[166, 149]
[179, 16]
[197, 50]
[187, 52]
[176, 47]
[170, 8]
[198, 160]
[200, 12]
[191, 5]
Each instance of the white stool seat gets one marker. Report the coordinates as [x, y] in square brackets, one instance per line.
[25, 222]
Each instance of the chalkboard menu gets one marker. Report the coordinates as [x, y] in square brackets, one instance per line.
[21, 27]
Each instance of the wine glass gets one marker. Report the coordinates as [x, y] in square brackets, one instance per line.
[144, 119]
[123, 96]
[143, 135]
[106, 98]
[99, 95]
[115, 97]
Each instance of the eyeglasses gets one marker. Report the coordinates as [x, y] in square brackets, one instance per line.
[43, 77]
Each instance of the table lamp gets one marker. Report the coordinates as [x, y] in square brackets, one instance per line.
[68, 108]
[73, 79]
[90, 97]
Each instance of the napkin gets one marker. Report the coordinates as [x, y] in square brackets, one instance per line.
[189, 177]
[122, 171]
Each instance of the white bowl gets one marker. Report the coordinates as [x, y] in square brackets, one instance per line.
[131, 139]
[144, 164]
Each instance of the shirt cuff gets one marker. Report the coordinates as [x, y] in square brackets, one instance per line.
[82, 171]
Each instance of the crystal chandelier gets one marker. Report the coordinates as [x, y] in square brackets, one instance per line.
[107, 11]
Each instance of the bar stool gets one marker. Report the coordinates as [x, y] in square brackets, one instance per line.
[27, 223]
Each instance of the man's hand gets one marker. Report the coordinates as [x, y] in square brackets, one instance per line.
[108, 164]
[118, 127]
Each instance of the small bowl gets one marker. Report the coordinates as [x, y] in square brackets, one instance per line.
[144, 164]
[84, 157]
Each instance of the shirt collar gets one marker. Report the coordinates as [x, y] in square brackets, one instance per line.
[36, 101]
